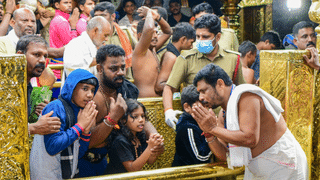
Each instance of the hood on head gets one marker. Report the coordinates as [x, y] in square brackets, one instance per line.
[72, 80]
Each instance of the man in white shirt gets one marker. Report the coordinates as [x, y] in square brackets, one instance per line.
[80, 52]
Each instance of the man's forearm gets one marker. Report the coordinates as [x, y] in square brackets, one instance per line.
[167, 97]
[149, 128]
[218, 148]
[165, 27]
[99, 134]
[5, 24]
[238, 138]
[55, 53]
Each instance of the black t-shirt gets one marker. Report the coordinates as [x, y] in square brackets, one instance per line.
[121, 151]
[172, 22]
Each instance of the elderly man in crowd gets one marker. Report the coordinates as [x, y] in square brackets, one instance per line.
[80, 53]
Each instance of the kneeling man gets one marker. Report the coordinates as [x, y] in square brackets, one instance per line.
[251, 123]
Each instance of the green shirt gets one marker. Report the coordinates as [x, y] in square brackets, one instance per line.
[190, 62]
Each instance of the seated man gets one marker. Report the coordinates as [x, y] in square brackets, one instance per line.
[191, 146]
[176, 15]
[182, 39]
[145, 64]
[256, 131]
[248, 52]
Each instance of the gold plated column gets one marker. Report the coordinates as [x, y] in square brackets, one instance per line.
[14, 147]
[231, 10]
[155, 111]
[284, 75]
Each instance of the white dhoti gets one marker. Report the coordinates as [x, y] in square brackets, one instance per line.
[284, 160]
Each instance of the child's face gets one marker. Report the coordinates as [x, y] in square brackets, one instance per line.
[136, 120]
[64, 6]
[82, 94]
[87, 7]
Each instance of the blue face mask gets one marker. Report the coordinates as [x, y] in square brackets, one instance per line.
[205, 46]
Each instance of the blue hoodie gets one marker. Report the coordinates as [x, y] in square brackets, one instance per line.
[57, 142]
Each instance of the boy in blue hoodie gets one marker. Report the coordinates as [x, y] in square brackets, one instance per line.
[77, 113]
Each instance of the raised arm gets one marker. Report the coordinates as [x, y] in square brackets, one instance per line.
[10, 7]
[146, 35]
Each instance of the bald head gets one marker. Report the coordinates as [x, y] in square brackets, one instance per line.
[23, 22]
[98, 29]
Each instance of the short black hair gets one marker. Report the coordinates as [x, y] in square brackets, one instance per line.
[56, 1]
[125, 2]
[247, 46]
[189, 95]
[103, 6]
[24, 42]
[183, 29]
[174, 1]
[162, 12]
[141, 24]
[301, 25]
[210, 74]
[92, 81]
[82, 2]
[109, 50]
[202, 7]
[273, 38]
[210, 22]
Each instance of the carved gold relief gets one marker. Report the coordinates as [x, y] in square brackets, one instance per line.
[155, 111]
[247, 3]
[14, 149]
[284, 75]
[184, 172]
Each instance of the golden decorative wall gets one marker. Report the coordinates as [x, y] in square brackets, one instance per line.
[284, 75]
[199, 171]
[248, 3]
[255, 19]
[156, 117]
[14, 149]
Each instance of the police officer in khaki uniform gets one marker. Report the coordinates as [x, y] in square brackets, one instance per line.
[208, 33]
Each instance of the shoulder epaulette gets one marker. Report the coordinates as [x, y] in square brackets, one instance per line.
[233, 52]
[187, 53]
[227, 30]
[123, 27]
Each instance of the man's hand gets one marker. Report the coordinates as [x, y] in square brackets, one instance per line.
[40, 107]
[206, 119]
[74, 18]
[170, 117]
[314, 60]
[45, 125]
[117, 108]
[143, 11]
[87, 115]
[10, 6]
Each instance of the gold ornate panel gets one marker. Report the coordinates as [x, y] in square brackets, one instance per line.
[248, 3]
[14, 149]
[315, 172]
[284, 75]
[155, 111]
[255, 20]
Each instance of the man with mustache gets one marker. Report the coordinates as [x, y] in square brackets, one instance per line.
[80, 53]
[176, 15]
[145, 64]
[305, 39]
[35, 50]
[110, 101]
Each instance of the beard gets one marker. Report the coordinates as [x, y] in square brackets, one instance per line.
[34, 71]
[111, 83]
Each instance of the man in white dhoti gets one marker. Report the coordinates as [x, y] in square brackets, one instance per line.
[251, 123]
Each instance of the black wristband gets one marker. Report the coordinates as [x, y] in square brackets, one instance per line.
[73, 29]
[158, 20]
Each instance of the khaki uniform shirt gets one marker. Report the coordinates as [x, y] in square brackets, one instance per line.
[190, 62]
[229, 40]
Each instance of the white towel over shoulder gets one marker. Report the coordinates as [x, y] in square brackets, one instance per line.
[240, 156]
